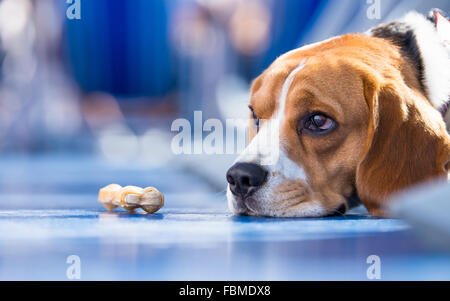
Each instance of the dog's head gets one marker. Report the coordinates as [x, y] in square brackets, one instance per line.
[333, 119]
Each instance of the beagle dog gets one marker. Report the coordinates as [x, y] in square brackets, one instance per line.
[355, 118]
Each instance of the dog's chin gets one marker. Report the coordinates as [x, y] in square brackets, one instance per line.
[255, 206]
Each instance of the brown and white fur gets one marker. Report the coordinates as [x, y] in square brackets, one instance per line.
[384, 90]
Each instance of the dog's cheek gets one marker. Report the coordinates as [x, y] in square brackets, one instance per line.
[307, 209]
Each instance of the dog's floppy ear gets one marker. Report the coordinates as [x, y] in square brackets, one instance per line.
[407, 143]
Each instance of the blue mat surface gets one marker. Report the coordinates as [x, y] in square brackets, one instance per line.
[49, 211]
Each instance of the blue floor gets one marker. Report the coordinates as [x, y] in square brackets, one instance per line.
[48, 211]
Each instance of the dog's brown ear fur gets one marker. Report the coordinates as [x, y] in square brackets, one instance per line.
[407, 143]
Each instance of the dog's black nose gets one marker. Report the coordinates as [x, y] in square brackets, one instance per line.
[246, 178]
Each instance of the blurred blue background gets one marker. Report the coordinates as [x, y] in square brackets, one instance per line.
[88, 102]
[127, 67]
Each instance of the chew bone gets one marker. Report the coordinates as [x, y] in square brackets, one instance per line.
[131, 198]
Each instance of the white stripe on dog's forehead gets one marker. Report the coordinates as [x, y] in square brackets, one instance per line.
[285, 90]
[265, 148]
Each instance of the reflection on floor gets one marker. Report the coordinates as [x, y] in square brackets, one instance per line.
[48, 211]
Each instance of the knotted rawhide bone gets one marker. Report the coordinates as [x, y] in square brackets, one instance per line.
[131, 198]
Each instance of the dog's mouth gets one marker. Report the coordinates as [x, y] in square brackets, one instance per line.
[246, 207]
[339, 211]
[250, 207]
[354, 200]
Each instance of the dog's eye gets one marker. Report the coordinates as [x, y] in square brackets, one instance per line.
[319, 123]
[255, 119]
